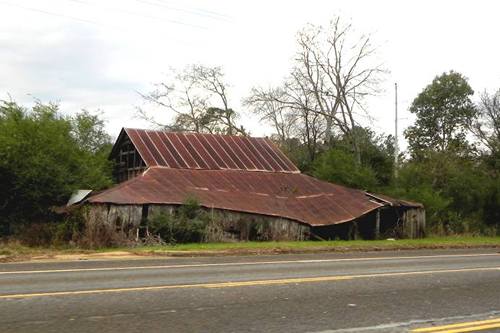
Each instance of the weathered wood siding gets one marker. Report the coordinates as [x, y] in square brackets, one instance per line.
[123, 217]
[227, 225]
[223, 225]
[237, 226]
[414, 223]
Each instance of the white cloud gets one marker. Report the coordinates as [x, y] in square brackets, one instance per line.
[97, 54]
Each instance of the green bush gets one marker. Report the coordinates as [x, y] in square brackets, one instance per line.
[187, 223]
[338, 166]
[44, 157]
[70, 230]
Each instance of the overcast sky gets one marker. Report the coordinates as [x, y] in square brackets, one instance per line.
[98, 54]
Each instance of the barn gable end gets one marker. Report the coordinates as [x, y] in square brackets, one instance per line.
[127, 160]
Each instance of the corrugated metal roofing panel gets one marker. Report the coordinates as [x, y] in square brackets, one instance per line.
[396, 202]
[208, 152]
[289, 195]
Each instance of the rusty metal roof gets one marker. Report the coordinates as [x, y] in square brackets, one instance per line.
[289, 195]
[207, 151]
[396, 202]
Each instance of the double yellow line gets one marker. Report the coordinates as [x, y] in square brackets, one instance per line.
[232, 284]
[472, 326]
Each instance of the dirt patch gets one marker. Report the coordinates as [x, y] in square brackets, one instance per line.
[114, 255]
[121, 255]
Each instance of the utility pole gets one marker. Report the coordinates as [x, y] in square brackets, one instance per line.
[396, 148]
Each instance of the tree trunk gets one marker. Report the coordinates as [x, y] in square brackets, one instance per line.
[328, 131]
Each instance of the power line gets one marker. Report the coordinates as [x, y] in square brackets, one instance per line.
[199, 12]
[58, 15]
[82, 20]
[127, 12]
[97, 23]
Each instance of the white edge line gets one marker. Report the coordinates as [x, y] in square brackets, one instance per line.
[310, 261]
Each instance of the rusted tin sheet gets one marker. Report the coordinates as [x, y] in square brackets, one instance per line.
[396, 202]
[290, 195]
[208, 152]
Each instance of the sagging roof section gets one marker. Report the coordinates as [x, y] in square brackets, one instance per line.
[289, 195]
[197, 151]
[395, 202]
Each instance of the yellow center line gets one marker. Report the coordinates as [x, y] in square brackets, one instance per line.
[472, 329]
[248, 283]
[182, 286]
[460, 327]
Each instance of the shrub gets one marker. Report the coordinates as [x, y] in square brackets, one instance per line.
[188, 223]
[103, 235]
[70, 230]
[36, 234]
[340, 167]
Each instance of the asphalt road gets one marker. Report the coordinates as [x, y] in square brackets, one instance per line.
[378, 291]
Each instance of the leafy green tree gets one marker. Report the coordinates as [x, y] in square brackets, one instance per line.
[377, 152]
[340, 167]
[458, 187]
[89, 132]
[298, 152]
[491, 207]
[44, 156]
[94, 146]
[454, 190]
[444, 111]
[486, 128]
[338, 164]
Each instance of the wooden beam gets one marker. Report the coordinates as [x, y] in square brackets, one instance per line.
[377, 225]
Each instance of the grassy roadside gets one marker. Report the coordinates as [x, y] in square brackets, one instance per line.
[16, 252]
[325, 246]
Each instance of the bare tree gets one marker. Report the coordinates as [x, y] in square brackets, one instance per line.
[278, 107]
[197, 97]
[334, 71]
[486, 127]
[211, 79]
[337, 69]
[267, 103]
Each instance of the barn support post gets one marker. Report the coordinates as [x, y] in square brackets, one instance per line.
[353, 231]
[143, 226]
[377, 224]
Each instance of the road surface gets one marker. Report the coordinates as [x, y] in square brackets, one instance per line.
[356, 292]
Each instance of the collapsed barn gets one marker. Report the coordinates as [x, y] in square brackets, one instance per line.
[252, 190]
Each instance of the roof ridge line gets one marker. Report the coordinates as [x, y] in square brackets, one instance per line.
[193, 133]
[244, 170]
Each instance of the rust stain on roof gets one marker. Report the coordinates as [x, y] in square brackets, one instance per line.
[312, 201]
[197, 151]
[235, 173]
[395, 202]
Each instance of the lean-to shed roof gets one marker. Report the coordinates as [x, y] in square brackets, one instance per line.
[396, 202]
[197, 151]
[285, 194]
